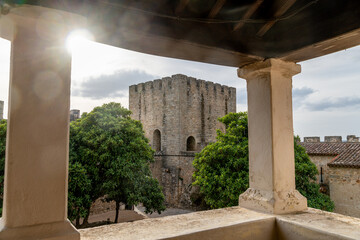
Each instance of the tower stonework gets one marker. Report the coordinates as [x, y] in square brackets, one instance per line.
[1, 110]
[179, 115]
[74, 114]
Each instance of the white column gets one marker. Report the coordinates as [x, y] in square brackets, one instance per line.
[271, 141]
[36, 168]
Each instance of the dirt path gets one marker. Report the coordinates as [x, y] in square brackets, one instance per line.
[167, 212]
[130, 216]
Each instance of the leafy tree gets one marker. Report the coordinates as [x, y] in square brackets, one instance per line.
[3, 125]
[221, 168]
[78, 193]
[116, 155]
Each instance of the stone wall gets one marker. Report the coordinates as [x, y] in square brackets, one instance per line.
[172, 110]
[174, 174]
[321, 162]
[332, 139]
[74, 114]
[311, 139]
[352, 138]
[1, 110]
[345, 190]
[180, 107]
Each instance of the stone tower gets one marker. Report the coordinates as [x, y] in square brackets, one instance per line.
[179, 115]
[1, 110]
[74, 114]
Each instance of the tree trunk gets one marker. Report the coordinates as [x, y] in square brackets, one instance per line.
[77, 224]
[117, 211]
[129, 207]
[86, 219]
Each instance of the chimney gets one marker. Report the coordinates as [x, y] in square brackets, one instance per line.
[311, 139]
[352, 138]
[1, 110]
[74, 114]
[333, 139]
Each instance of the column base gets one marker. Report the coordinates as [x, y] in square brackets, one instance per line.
[273, 202]
[49, 231]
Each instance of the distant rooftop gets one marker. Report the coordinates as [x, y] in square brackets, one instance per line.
[346, 154]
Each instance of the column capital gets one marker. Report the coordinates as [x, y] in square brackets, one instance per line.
[47, 23]
[252, 70]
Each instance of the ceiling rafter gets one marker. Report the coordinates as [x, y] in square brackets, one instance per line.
[181, 6]
[281, 7]
[216, 8]
[252, 9]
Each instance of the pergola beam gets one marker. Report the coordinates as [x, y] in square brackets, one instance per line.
[283, 6]
[248, 13]
[216, 8]
[181, 6]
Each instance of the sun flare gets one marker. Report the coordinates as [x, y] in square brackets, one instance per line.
[76, 40]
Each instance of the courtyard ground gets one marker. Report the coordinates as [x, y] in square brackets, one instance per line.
[130, 215]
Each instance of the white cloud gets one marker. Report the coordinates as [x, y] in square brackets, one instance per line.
[110, 86]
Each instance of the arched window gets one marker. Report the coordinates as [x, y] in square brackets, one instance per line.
[157, 140]
[190, 144]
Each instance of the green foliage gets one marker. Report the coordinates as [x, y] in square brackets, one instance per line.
[116, 155]
[108, 155]
[221, 168]
[3, 125]
[78, 193]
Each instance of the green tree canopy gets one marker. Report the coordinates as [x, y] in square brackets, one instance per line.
[113, 150]
[221, 168]
[78, 192]
[3, 125]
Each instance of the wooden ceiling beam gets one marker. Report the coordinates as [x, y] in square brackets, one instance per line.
[248, 13]
[283, 6]
[216, 8]
[181, 6]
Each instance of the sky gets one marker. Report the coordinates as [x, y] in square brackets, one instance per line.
[326, 99]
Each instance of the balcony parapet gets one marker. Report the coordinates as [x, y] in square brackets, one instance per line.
[233, 223]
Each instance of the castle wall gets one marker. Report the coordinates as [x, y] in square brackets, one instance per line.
[176, 180]
[179, 107]
[345, 190]
[74, 115]
[203, 103]
[156, 105]
[321, 162]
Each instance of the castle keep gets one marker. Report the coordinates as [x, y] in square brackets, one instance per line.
[179, 115]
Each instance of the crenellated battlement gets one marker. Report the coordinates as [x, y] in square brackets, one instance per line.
[192, 83]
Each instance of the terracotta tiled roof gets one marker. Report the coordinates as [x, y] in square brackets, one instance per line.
[346, 154]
